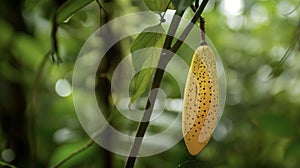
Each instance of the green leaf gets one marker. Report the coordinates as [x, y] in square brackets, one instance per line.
[139, 83]
[150, 37]
[276, 124]
[182, 4]
[157, 5]
[69, 8]
[148, 57]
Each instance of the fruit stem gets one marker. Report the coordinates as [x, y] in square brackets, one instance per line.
[202, 31]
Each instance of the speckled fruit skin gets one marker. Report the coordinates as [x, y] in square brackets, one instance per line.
[201, 99]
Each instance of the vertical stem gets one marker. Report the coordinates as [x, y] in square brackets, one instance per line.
[202, 31]
[165, 57]
[33, 108]
[189, 26]
[147, 115]
[155, 84]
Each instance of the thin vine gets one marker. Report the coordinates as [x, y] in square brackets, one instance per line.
[53, 53]
[74, 153]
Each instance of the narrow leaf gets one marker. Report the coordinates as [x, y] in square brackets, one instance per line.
[70, 7]
[150, 37]
[139, 83]
[278, 67]
[145, 58]
[182, 4]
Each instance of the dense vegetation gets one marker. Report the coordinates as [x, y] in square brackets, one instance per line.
[39, 45]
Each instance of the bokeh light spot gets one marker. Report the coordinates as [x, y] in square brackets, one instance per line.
[8, 155]
[63, 88]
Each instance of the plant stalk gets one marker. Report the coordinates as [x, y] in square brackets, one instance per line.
[165, 57]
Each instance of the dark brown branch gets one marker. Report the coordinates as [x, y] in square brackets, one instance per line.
[183, 36]
[155, 84]
[202, 31]
[165, 57]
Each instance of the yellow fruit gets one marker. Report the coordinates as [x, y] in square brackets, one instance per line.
[201, 100]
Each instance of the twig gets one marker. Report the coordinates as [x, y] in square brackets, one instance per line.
[202, 31]
[33, 107]
[163, 15]
[90, 142]
[53, 52]
[101, 7]
[189, 26]
[74, 153]
[197, 4]
[163, 61]
[156, 82]
[54, 46]
[279, 67]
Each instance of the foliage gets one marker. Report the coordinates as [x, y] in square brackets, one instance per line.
[259, 126]
[150, 37]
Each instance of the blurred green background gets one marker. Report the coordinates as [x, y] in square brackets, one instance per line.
[260, 123]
